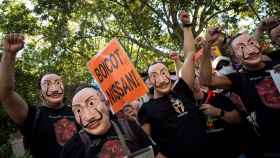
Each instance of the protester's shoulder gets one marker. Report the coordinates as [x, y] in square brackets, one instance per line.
[28, 124]
[146, 111]
[182, 89]
[148, 104]
[31, 114]
[181, 85]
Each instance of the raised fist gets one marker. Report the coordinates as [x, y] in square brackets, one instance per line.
[13, 43]
[174, 56]
[199, 42]
[184, 17]
[268, 23]
[213, 34]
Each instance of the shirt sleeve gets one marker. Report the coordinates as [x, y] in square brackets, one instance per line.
[28, 124]
[143, 115]
[181, 88]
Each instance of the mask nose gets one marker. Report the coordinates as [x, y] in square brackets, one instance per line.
[253, 50]
[249, 50]
[86, 116]
[160, 80]
[53, 88]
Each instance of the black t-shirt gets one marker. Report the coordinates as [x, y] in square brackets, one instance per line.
[176, 125]
[261, 99]
[52, 129]
[107, 145]
[223, 137]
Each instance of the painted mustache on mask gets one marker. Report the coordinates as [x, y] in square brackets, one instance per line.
[56, 92]
[92, 120]
[159, 85]
[243, 54]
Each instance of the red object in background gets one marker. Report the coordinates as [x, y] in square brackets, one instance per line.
[209, 120]
[210, 94]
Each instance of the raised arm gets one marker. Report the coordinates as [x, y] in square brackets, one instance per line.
[13, 104]
[187, 70]
[189, 42]
[206, 76]
[266, 24]
[178, 63]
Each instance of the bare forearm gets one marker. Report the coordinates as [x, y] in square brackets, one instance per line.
[258, 34]
[7, 73]
[189, 44]
[13, 104]
[178, 66]
[147, 128]
[187, 71]
[232, 117]
[205, 67]
[15, 107]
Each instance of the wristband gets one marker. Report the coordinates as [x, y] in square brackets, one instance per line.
[187, 25]
[222, 113]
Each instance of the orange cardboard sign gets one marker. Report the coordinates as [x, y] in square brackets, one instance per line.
[116, 76]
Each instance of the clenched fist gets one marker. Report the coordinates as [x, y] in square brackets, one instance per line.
[184, 17]
[268, 23]
[13, 42]
[174, 56]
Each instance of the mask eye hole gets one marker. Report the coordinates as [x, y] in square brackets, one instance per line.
[91, 103]
[222, 63]
[164, 73]
[77, 110]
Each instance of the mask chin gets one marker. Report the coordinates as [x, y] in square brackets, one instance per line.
[226, 70]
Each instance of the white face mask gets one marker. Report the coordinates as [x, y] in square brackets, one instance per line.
[226, 70]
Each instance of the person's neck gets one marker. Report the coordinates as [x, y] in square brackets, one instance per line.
[255, 67]
[157, 95]
[53, 106]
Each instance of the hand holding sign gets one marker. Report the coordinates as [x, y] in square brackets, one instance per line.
[116, 76]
